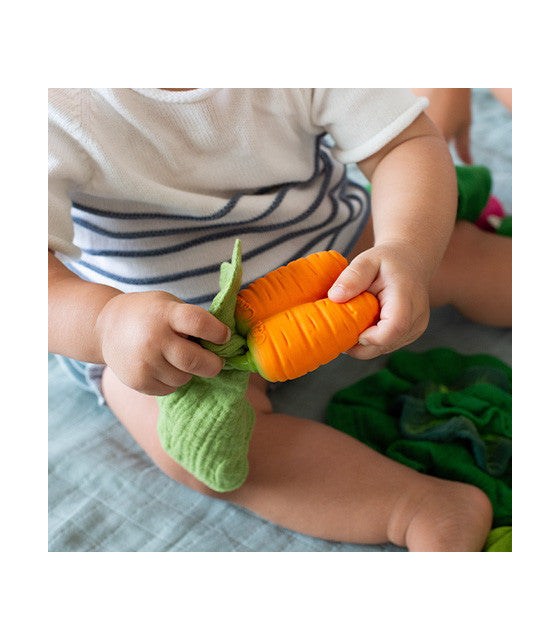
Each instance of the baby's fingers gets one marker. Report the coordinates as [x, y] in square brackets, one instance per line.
[188, 358]
[394, 323]
[357, 277]
[191, 320]
[396, 328]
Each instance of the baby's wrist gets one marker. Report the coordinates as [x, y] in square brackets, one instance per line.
[105, 319]
[408, 255]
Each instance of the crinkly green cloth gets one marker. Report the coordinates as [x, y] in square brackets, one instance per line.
[474, 184]
[440, 412]
[207, 423]
[499, 539]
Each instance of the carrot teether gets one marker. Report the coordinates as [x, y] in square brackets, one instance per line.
[303, 280]
[295, 341]
[292, 327]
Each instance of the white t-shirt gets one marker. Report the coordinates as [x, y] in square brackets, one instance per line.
[148, 189]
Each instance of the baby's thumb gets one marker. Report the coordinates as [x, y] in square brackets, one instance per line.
[357, 277]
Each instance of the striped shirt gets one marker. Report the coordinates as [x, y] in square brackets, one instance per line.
[148, 189]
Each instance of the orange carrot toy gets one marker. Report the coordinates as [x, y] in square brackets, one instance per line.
[291, 326]
[303, 280]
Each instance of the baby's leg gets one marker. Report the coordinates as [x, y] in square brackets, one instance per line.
[475, 276]
[313, 479]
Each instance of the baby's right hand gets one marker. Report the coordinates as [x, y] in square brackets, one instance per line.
[144, 338]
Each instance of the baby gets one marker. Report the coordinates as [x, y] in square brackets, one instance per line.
[148, 188]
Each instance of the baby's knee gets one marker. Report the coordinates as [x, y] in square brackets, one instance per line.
[481, 502]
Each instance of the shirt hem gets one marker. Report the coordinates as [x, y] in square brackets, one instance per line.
[161, 95]
[380, 139]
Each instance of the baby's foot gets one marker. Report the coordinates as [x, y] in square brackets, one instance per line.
[451, 516]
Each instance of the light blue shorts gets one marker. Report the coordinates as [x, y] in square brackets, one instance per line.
[85, 375]
[88, 376]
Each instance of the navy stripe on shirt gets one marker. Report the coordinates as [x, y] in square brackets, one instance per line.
[332, 222]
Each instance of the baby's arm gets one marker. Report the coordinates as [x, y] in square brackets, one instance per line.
[143, 337]
[450, 110]
[414, 204]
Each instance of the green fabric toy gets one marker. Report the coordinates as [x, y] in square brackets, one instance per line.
[474, 183]
[441, 413]
[499, 539]
[475, 203]
[206, 424]
[505, 227]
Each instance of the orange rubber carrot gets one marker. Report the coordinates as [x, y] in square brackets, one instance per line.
[303, 280]
[295, 341]
[291, 326]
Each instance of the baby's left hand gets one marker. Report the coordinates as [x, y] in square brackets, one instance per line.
[397, 277]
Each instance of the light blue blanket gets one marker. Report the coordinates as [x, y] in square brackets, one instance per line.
[105, 494]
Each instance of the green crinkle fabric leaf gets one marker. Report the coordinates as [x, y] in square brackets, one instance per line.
[206, 425]
[499, 539]
[474, 184]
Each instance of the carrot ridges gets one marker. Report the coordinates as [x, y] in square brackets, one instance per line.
[290, 324]
[302, 280]
[317, 332]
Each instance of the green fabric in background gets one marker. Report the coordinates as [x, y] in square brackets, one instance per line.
[474, 184]
[499, 539]
[439, 412]
[505, 228]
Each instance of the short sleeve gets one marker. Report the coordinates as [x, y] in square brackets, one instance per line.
[362, 121]
[68, 168]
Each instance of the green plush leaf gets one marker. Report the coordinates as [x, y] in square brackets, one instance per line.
[206, 424]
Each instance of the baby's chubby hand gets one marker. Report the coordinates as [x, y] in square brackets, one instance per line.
[397, 277]
[144, 338]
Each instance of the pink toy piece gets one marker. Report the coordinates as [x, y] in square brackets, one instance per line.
[493, 211]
